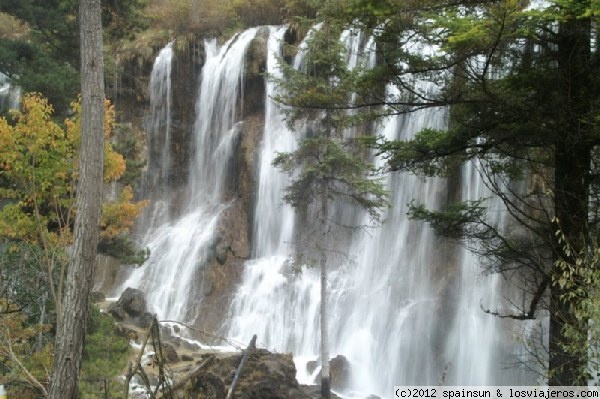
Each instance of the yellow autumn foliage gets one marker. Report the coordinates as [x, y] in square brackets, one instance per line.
[118, 217]
[38, 174]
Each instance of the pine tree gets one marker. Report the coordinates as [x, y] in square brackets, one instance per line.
[327, 167]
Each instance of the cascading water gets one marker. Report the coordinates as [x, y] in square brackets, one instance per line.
[493, 336]
[405, 306]
[156, 179]
[378, 323]
[405, 311]
[10, 95]
[180, 248]
[273, 233]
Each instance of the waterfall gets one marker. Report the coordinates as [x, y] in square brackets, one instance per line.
[172, 276]
[404, 304]
[405, 309]
[10, 95]
[158, 127]
[471, 327]
[216, 116]
[381, 302]
[274, 225]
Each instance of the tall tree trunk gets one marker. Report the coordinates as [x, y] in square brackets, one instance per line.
[71, 331]
[325, 374]
[568, 352]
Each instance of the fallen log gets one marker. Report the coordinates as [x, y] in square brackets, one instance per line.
[236, 377]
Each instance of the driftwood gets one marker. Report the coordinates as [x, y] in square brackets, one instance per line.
[137, 368]
[132, 370]
[251, 346]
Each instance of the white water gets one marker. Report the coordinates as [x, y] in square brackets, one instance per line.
[273, 234]
[172, 276]
[10, 95]
[156, 179]
[404, 309]
[380, 301]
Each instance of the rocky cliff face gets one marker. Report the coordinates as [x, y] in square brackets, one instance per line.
[232, 245]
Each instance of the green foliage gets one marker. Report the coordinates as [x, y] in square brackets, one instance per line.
[46, 59]
[323, 84]
[124, 18]
[38, 164]
[321, 160]
[322, 90]
[24, 359]
[124, 250]
[455, 220]
[130, 144]
[24, 283]
[577, 280]
[38, 174]
[430, 153]
[329, 166]
[105, 356]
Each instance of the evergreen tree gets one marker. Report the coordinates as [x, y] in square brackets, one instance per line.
[328, 167]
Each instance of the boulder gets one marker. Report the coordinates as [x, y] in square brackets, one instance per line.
[131, 304]
[144, 320]
[169, 353]
[339, 369]
[265, 375]
[117, 311]
[311, 366]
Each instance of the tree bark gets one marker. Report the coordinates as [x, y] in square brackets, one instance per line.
[325, 374]
[71, 331]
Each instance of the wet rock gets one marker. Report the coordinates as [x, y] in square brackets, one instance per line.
[311, 366]
[221, 252]
[132, 303]
[144, 320]
[187, 358]
[265, 375]
[339, 369]
[169, 353]
[117, 311]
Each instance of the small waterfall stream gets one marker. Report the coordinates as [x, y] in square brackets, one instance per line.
[156, 179]
[10, 95]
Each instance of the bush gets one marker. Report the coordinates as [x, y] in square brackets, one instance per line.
[105, 356]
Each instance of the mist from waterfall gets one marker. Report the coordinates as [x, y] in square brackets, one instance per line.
[172, 277]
